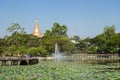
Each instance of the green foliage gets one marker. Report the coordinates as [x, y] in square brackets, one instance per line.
[64, 43]
[83, 45]
[12, 50]
[57, 30]
[116, 39]
[91, 49]
[16, 28]
[2, 42]
[60, 71]
[109, 31]
[39, 51]
[76, 38]
[20, 43]
[1, 51]
[106, 42]
[48, 33]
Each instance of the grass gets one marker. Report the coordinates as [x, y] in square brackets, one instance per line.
[50, 70]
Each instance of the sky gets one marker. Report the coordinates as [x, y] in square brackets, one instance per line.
[84, 18]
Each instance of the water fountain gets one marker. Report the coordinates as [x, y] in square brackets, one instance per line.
[57, 55]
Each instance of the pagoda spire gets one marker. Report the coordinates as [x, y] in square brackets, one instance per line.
[37, 29]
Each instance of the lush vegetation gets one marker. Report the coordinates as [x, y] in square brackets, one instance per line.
[19, 43]
[106, 42]
[50, 70]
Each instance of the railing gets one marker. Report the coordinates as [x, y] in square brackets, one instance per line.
[17, 58]
[96, 58]
[93, 56]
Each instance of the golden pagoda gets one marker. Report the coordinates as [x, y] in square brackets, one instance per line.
[37, 30]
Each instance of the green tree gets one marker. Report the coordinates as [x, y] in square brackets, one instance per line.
[32, 41]
[1, 51]
[116, 42]
[58, 34]
[116, 39]
[64, 43]
[48, 33]
[105, 42]
[11, 50]
[109, 31]
[82, 45]
[59, 30]
[91, 49]
[16, 39]
[22, 42]
[38, 51]
[2, 42]
[16, 28]
[76, 38]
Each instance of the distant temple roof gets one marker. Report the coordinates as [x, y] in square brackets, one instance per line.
[37, 30]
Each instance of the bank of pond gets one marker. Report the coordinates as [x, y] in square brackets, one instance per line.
[81, 58]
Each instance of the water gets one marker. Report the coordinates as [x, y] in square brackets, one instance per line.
[57, 55]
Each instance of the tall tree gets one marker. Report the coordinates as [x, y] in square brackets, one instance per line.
[16, 28]
[109, 31]
[47, 33]
[59, 30]
[64, 43]
[104, 41]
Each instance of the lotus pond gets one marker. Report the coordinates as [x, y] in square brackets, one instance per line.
[50, 70]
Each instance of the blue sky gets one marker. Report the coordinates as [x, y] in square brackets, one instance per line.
[85, 18]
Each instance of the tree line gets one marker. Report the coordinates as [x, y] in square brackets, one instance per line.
[104, 43]
[19, 43]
